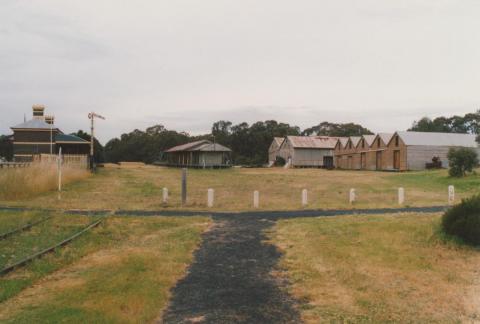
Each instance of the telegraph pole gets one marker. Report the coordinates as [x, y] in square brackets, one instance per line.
[92, 117]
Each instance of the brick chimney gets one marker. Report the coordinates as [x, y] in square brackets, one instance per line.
[38, 111]
[50, 120]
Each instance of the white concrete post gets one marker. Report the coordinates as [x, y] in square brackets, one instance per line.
[451, 195]
[165, 195]
[352, 196]
[210, 198]
[256, 199]
[304, 197]
[401, 196]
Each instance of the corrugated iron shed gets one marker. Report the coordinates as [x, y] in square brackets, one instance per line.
[437, 139]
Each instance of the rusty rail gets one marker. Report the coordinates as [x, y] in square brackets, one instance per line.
[23, 228]
[37, 255]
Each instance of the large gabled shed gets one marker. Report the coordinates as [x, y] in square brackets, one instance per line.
[413, 150]
[199, 154]
[364, 151]
[309, 151]
[274, 149]
[377, 158]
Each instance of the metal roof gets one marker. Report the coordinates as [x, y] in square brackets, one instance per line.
[70, 139]
[202, 145]
[35, 124]
[369, 139]
[437, 139]
[343, 141]
[212, 148]
[386, 137]
[319, 142]
[355, 140]
[278, 140]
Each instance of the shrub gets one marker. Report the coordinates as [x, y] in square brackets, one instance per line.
[462, 160]
[463, 220]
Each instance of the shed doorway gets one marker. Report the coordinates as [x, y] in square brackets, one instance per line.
[328, 162]
[396, 160]
[363, 161]
[378, 164]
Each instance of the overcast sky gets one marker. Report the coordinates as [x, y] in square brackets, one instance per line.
[186, 64]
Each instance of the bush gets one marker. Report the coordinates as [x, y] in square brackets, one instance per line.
[462, 160]
[463, 220]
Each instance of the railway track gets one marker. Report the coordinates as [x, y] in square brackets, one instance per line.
[23, 228]
[52, 248]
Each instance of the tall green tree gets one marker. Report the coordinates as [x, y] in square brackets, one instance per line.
[6, 147]
[98, 149]
[250, 143]
[334, 129]
[461, 161]
[469, 123]
[144, 146]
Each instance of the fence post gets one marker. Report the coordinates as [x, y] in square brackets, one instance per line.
[256, 199]
[210, 197]
[401, 196]
[184, 186]
[451, 195]
[304, 198]
[59, 160]
[352, 196]
[165, 195]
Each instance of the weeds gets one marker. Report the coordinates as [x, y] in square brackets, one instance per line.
[38, 178]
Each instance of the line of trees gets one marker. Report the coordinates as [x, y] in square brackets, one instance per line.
[469, 123]
[249, 143]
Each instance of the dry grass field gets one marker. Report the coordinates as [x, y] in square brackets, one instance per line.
[384, 268]
[23, 183]
[140, 188]
[388, 268]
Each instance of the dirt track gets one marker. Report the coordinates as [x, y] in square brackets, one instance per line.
[231, 281]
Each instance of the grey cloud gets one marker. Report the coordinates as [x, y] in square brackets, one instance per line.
[185, 65]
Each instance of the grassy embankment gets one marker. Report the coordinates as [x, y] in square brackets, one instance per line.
[379, 269]
[121, 271]
[141, 188]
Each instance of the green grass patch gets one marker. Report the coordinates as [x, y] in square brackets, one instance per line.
[10, 220]
[125, 280]
[58, 228]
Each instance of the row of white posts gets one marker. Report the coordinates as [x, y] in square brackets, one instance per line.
[352, 197]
